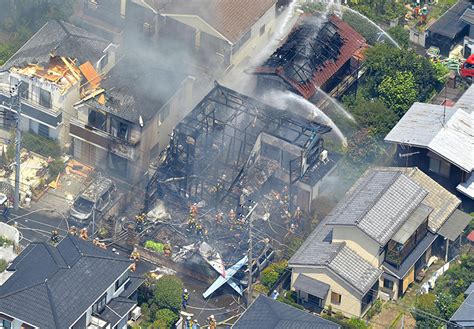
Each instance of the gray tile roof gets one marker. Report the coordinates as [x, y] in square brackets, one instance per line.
[469, 289]
[382, 201]
[441, 200]
[468, 16]
[464, 315]
[267, 313]
[354, 269]
[61, 39]
[336, 257]
[53, 287]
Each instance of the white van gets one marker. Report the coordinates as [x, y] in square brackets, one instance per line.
[96, 196]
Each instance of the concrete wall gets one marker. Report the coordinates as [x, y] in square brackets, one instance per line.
[350, 305]
[268, 19]
[417, 37]
[360, 242]
[9, 232]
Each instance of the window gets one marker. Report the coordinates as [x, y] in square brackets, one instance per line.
[97, 120]
[43, 130]
[262, 30]
[121, 281]
[6, 324]
[99, 306]
[120, 129]
[388, 284]
[440, 167]
[335, 298]
[45, 98]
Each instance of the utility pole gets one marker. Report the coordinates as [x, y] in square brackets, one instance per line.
[15, 104]
[250, 255]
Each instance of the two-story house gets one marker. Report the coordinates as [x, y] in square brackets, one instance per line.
[72, 285]
[438, 139]
[221, 33]
[54, 67]
[375, 241]
[127, 120]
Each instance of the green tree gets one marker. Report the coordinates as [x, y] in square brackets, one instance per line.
[398, 92]
[355, 323]
[383, 60]
[372, 114]
[165, 319]
[425, 309]
[401, 35]
[167, 293]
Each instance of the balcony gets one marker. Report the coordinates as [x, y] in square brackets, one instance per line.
[103, 140]
[33, 110]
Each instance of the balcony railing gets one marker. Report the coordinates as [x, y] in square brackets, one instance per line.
[33, 110]
[103, 140]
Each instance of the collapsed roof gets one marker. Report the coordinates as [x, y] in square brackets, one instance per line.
[152, 87]
[313, 53]
[230, 144]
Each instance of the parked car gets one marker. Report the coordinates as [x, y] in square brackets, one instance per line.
[96, 197]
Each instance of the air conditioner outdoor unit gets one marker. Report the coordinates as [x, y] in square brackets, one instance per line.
[136, 313]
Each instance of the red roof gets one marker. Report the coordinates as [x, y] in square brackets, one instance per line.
[353, 46]
[470, 236]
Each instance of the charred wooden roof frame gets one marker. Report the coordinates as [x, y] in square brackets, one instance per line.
[213, 145]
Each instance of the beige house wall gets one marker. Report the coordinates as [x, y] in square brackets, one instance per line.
[350, 305]
[268, 19]
[360, 242]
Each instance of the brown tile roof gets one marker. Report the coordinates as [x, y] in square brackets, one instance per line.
[231, 18]
[354, 46]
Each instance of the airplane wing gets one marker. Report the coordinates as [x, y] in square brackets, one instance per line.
[235, 286]
[220, 281]
[234, 268]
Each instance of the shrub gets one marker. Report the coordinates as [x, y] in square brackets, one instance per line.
[167, 293]
[41, 145]
[271, 274]
[355, 323]
[3, 265]
[165, 319]
[269, 277]
[375, 309]
[55, 168]
[155, 246]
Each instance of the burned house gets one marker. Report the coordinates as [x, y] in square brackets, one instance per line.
[315, 55]
[125, 122]
[232, 147]
[55, 67]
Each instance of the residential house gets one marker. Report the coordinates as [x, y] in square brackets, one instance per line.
[221, 33]
[72, 285]
[267, 313]
[314, 56]
[376, 241]
[453, 27]
[439, 140]
[112, 19]
[464, 315]
[127, 120]
[54, 66]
